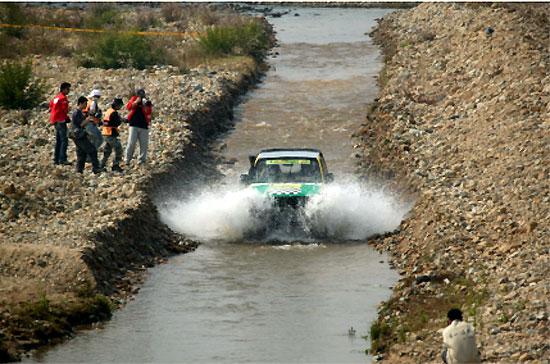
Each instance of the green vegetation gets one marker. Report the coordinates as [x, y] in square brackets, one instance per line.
[19, 43]
[18, 88]
[383, 77]
[425, 312]
[120, 50]
[103, 16]
[249, 38]
[12, 13]
[378, 331]
[224, 34]
[183, 15]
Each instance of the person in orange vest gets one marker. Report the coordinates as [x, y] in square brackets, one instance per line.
[139, 120]
[93, 111]
[59, 117]
[111, 122]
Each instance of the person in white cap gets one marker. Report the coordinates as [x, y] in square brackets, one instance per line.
[93, 111]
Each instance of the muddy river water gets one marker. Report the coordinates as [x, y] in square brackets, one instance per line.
[237, 301]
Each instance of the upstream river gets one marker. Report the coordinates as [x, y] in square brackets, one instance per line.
[283, 301]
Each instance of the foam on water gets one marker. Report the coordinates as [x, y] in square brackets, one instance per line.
[298, 246]
[351, 211]
[343, 211]
[223, 215]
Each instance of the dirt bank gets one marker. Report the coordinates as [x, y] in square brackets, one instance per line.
[462, 121]
[64, 237]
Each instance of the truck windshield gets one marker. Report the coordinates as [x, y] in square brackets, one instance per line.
[287, 170]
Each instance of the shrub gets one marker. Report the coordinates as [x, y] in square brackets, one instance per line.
[219, 40]
[195, 16]
[18, 88]
[253, 39]
[71, 18]
[120, 50]
[248, 38]
[379, 333]
[146, 20]
[12, 13]
[102, 16]
[171, 11]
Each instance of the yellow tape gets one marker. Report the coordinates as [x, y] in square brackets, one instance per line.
[84, 30]
[288, 161]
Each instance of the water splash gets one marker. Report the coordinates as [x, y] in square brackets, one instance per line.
[351, 211]
[212, 215]
[343, 211]
[298, 246]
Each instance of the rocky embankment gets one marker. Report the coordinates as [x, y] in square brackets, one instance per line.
[463, 120]
[62, 233]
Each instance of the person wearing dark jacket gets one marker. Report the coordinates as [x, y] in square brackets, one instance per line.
[111, 122]
[84, 148]
[139, 120]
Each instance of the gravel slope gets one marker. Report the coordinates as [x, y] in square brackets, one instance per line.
[62, 233]
[462, 120]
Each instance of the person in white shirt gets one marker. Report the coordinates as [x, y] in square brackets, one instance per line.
[93, 112]
[459, 341]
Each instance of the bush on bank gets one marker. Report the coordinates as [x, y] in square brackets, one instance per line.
[12, 13]
[19, 89]
[121, 50]
[249, 38]
[102, 15]
[224, 33]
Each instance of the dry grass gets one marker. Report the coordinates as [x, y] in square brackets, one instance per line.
[185, 16]
[48, 320]
[239, 64]
[184, 54]
[30, 270]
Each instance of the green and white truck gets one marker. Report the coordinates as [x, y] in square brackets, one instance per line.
[289, 176]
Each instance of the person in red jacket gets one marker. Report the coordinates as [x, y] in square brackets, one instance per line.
[59, 117]
[139, 120]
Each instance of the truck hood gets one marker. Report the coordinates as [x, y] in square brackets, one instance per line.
[287, 189]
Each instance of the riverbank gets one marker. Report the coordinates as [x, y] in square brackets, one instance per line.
[66, 237]
[462, 121]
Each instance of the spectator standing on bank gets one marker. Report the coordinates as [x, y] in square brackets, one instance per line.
[111, 122]
[93, 111]
[59, 117]
[84, 148]
[459, 340]
[139, 119]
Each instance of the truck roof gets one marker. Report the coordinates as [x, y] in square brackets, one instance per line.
[289, 153]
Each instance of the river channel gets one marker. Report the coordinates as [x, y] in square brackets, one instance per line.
[238, 301]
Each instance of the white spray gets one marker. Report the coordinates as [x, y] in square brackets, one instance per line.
[352, 211]
[226, 215]
[343, 211]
